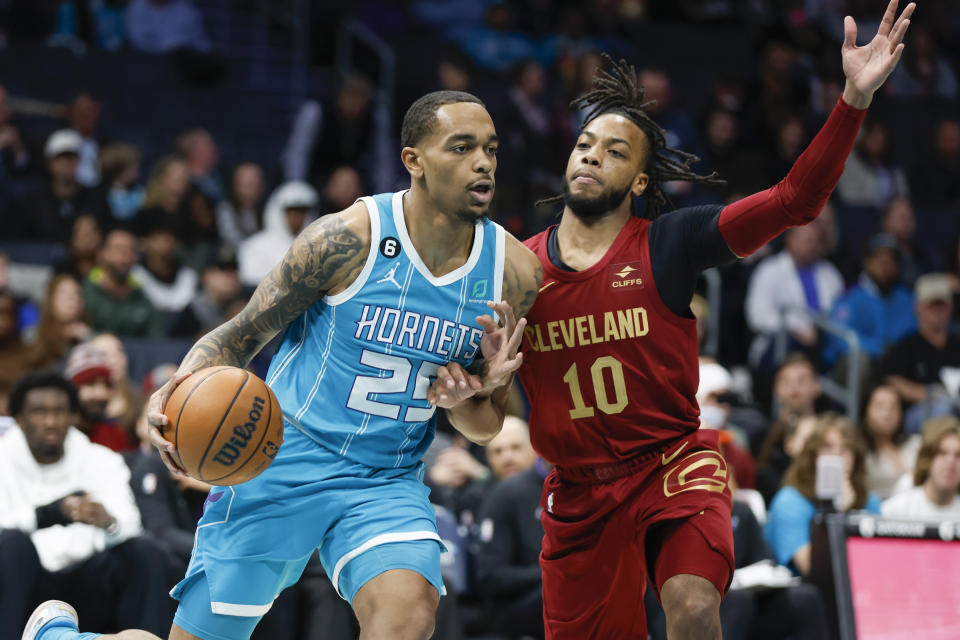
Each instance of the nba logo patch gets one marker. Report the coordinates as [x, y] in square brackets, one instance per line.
[625, 275]
[550, 502]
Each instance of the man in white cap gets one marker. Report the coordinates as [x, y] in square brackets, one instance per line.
[48, 212]
[914, 365]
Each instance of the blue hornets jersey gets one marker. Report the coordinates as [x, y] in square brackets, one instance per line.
[353, 371]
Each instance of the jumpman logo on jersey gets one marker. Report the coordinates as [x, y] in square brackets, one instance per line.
[390, 277]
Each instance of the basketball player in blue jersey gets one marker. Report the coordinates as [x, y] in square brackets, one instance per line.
[374, 301]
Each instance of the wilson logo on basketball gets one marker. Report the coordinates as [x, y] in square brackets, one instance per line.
[625, 275]
[232, 449]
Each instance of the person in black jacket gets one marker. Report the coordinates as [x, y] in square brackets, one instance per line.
[508, 567]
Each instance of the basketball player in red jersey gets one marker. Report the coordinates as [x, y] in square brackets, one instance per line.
[610, 354]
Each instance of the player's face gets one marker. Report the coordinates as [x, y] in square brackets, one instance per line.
[45, 418]
[459, 160]
[606, 166]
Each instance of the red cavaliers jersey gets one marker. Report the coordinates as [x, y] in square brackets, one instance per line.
[610, 371]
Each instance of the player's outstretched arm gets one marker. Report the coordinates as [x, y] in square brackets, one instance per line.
[748, 224]
[476, 403]
[326, 257]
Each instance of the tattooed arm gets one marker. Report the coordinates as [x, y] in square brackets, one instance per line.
[324, 259]
[476, 404]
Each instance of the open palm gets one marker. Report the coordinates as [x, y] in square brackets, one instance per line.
[867, 67]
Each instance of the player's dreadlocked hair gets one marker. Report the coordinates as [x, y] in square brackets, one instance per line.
[618, 91]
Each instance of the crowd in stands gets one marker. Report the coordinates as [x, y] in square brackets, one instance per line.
[152, 247]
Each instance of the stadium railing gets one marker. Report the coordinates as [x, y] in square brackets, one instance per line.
[848, 393]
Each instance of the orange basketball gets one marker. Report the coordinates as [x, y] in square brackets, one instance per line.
[226, 425]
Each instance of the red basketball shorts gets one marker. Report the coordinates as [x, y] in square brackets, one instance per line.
[669, 516]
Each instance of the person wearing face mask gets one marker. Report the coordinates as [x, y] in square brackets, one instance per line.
[714, 396]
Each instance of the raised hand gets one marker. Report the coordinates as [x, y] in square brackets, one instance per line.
[500, 344]
[867, 67]
[499, 348]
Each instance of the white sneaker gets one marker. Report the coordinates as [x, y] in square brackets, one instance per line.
[45, 614]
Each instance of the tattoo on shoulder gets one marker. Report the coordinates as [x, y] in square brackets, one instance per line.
[520, 284]
[325, 253]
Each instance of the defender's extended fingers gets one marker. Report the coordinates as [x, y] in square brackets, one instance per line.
[886, 24]
[899, 31]
[488, 323]
[502, 308]
[849, 33]
[516, 338]
[509, 319]
[895, 58]
[513, 344]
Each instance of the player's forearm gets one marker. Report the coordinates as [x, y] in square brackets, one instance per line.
[227, 345]
[480, 419]
[750, 223]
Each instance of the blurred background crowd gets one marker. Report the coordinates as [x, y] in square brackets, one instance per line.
[157, 157]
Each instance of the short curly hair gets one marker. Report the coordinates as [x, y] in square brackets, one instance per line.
[421, 117]
[41, 379]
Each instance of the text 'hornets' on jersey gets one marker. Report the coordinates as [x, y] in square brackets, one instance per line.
[353, 371]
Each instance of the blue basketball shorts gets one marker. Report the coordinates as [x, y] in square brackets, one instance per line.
[254, 539]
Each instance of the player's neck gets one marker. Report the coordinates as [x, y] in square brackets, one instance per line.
[442, 241]
[583, 243]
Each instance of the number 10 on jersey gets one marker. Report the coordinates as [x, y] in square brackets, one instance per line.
[604, 403]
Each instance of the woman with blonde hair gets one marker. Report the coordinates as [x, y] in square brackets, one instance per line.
[788, 524]
[936, 476]
[165, 195]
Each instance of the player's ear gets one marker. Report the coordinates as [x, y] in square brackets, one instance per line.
[413, 161]
[640, 183]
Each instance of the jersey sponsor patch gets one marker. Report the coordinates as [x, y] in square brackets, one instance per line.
[479, 290]
[625, 275]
